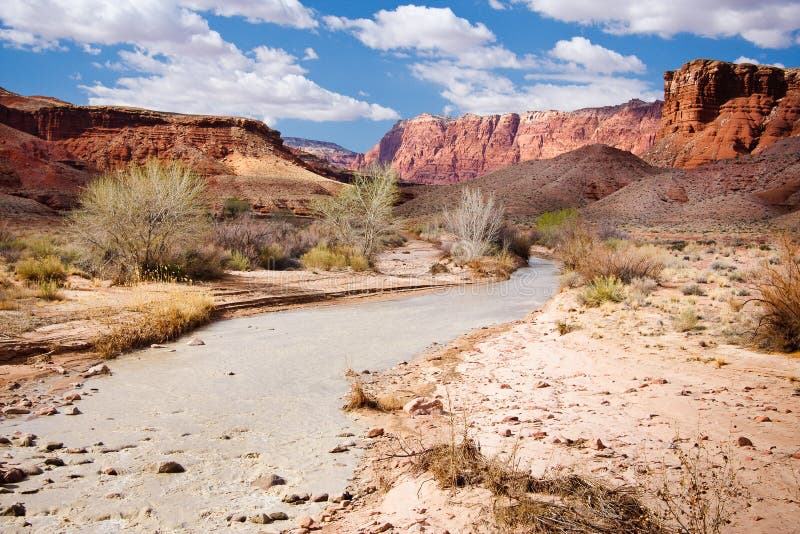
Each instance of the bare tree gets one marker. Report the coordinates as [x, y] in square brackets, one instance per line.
[361, 215]
[475, 222]
[136, 219]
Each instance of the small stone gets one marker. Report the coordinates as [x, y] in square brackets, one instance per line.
[278, 516]
[72, 410]
[78, 450]
[539, 435]
[196, 342]
[12, 476]
[4, 441]
[542, 384]
[47, 412]
[72, 397]
[15, 410]
[15, 510]
[238, 518]
[375, 432]
[762, 419]
[505, 433]
[28, 440]
[339, 448]
[424, 406]
[796, 456]
[99, 369]
[171, 468]
[260, 519]
[266, 482]
[599, 445]
[505, 386]
[384, 528]
[744, 442]
[55, 462]
[31, 470]
[660, 381]
[111, 471]
[322, 497]
[306, 522]
[53, 446]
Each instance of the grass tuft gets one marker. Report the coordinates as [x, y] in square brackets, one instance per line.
[603, 289]
[39, 270]
[778, 289]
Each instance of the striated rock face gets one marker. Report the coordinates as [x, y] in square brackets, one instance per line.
[434, 149]
[716, 110]
[330, 152]
[49, 148]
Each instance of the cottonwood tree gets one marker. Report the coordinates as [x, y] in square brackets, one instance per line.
[137, 219]
[361, 215]
[476, 223]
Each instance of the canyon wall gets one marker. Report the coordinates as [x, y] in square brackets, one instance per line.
[717, 110]
[434, 149]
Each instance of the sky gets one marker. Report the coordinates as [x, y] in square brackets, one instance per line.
[346, 71]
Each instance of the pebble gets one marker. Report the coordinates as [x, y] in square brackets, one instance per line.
[542, 384]
[111, 471]
[55, 462]
[339, 448]
[375, 432]
[12, 476]
[72, 397]
[306, 522]
[762, 419]
[15, 410]
[260, 519]
[99, 369]
[53, 446]
[278, 516]
[73, 410]
[266, 482]
[171, 467]
[15, 510]
[744, 442]
[599, 445]
[196, 342]
[322, 497]
[47, 411]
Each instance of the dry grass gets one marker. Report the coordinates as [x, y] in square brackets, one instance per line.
[500, 266]
[603, 289]
[39, 270]
[158, 322]
[687, 320]
[778, 289]
[325, 258]
[360, 399]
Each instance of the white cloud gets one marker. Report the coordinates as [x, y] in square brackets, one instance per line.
[497, 4]
[310, 54]
[595, 58]
[284, 12]
[436, 30]
[177, 63]
[742, 59]
[91, 50]
[766, 23]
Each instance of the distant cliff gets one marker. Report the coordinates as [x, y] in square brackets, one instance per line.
[330, 152]
[435, 149]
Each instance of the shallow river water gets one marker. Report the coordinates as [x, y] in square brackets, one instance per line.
[262, 396]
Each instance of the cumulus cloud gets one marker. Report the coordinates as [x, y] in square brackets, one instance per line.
[497, 4]
[310, 54]
[743, 59]
[177, 63]
[595, 58]
[765, 23]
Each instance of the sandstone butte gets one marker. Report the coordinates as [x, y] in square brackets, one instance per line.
[436, 149]
[50, 148]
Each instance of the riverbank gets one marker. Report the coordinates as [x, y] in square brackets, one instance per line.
[616, 394]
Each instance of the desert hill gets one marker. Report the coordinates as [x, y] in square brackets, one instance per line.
[49, 149]
[330, 152]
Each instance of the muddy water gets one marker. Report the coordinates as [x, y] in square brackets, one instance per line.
[262, 396]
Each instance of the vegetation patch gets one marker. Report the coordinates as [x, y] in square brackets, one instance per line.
[603, 289]
[778, 294]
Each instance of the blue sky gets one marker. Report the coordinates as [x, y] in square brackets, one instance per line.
[346, 71]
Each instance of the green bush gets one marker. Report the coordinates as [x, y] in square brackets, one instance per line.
[238, 261]
[553, 225]
[234, 207]
[48, 290]
[358, 262]
[39, 270]
[275, 258]
[603, 289]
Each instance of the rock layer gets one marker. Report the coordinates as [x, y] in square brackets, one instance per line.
[716, 110]
[330, 152]
[435, 149]
[49, 148]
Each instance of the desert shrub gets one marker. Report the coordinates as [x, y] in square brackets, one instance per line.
[275, 258]
[324, 258]
[238, 261]
[570, 279]
[693, 289]
[438, 268]
[516, 241]
[553, 226]
[603, 289]
[358, 262]
[475, 223]
[158, 322]
[778, 294]
[361, 216]
[574, 246]
[359, 399]
[10, 246]
[721, 265]
[48, 290]
[638, 291]
[234, 207]
[497, 266]
[687, 320]
[140, 218]
[47, 269]
[606, 231]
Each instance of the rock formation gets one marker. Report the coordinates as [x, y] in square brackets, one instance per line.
[716, 110]
[49, 149]
[330, 152]
[434, 149]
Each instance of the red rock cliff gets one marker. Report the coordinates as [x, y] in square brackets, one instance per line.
[716, 110]
[434, 149]
[49, 148]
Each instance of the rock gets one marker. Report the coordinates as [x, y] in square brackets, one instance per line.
[385, 527]
[15, 410]
[72, 397]
[505, 386]
[278, 516]
[375, 432]
[339, 448]
[715, 110]
[260, 519]
[437, 149]
[424, 406]
[47, 412]
[95, 370]
[305, 522]
[296, 498]
[744, 442]
[599, 445]
[539, 435]
[238, 518]
[78, 450]
[322, 497]
[27, 440]
[796, 456]
[72, 410]
[15, 510]
[196, 342]
[54, 461]
[12, 476]
[506, 433]
[762, 419]
[542, 384]
[31, 470]
[111, 472]
[170, 468]
[53, 446]
[266, 482]
[4, 441]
